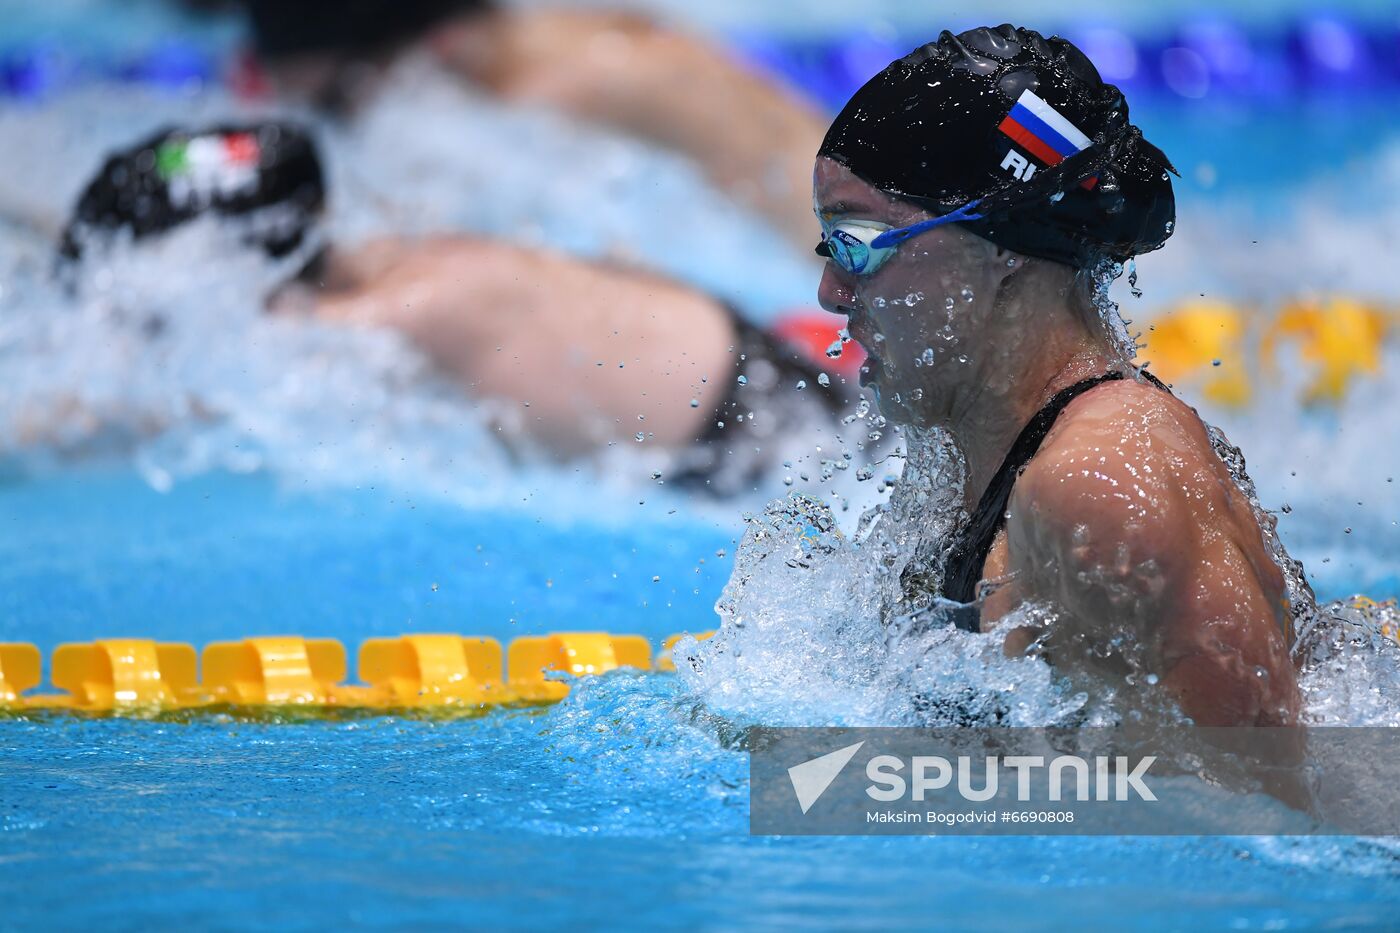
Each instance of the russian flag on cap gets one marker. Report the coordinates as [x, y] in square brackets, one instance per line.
[1044, 132]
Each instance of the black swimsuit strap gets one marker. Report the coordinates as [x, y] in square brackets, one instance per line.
[965, 561]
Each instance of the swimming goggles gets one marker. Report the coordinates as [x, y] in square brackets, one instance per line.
[863, 246]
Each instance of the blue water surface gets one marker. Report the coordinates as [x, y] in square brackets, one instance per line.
[102, 554]
[621, 806]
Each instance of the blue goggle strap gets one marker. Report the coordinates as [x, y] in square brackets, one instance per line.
[892, 238]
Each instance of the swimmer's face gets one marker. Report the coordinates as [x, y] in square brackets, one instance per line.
[925, 317]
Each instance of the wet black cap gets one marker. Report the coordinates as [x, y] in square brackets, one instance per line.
[352, 27]
[270, 171]
[1027, 125]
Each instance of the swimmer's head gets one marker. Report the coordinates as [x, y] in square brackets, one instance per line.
[313, 48]
[1019, 139]
[264, 180]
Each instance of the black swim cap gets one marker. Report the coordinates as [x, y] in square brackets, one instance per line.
[352, 27]
[269, 172]
[1025, 124]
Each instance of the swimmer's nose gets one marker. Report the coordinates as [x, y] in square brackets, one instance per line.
[835, 293]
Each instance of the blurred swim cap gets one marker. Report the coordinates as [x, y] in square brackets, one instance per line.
[354, 27]
[268, 173]
[1026, 125]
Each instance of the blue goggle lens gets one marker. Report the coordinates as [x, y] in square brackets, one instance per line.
[846, 250]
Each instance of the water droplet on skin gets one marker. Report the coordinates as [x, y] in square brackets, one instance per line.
[877, 302]
[962, 358]
[823, 379]
[967, 294]
[656, 579]
[950, 304]
[1215, 362]
[695, 403]
[787, 480]
[640, 437]
[801, 384]
[913, 298]
[1347, 530]
[834, 350]
[743, 380]
[916, 394]
[927, 356]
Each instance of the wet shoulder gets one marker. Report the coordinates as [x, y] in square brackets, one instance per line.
[1125, 458]
[1133, 420]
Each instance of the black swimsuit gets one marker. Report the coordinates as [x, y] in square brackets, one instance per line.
[736, 448]
[963, 570]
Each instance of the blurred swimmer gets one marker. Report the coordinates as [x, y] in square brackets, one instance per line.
[750, 136]
[994, 179]
[600, 354]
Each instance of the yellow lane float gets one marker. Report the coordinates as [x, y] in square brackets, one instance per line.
[532, 659]
[1204, 342]
[125, 673]
[1338, 340]
[279, 671]
[432, 670]
[19, 671]
[128, 676]
[1214, 347]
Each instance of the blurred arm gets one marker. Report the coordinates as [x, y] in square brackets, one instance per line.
[754, 138]
[598, 353]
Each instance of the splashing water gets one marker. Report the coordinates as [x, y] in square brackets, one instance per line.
[815, 627]
[803, 641]
[166, 357]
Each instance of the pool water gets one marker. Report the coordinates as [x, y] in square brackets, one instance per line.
[224, 556]
[621, 805]
[304, 480]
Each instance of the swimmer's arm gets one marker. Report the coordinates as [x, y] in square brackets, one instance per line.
[752, 136]
[1120, 551]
